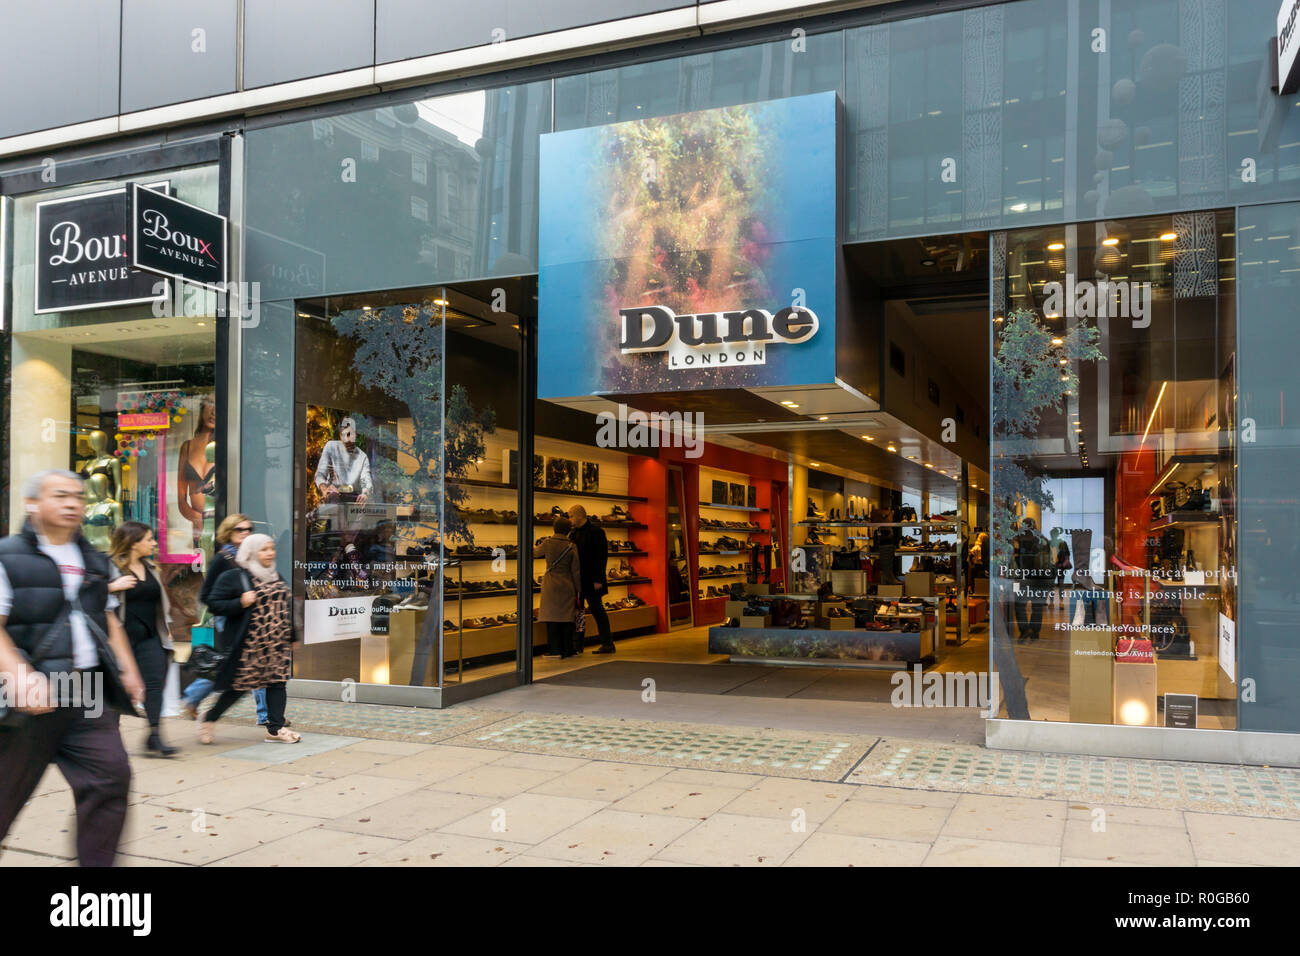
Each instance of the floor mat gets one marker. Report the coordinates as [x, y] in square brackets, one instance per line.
[744, 680]
[377, 721]
[698, 746]
[1214, 788]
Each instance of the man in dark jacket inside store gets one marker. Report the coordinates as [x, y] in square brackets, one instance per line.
[593, 554]
[1034, 563]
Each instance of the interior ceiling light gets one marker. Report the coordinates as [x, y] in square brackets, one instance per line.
[1056, 246]
[911, 458]
[788, 403]
[997, 318]
[1110, 241]
[1057, 340]
[1053, 315]
[892, 448]
[1065, 378]
[816, 464]
[1168, 236]
[927, 262]
[1153, 413]
[365, 308]
[823, 418]
[928, 465]
[1064, 361]
[439, 301]
[867, 438]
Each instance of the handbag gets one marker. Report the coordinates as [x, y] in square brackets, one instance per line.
[205, 661]
[580, 621]
[115, 694]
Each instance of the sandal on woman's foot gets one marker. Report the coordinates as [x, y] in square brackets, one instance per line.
[285, 736]
[205, 732]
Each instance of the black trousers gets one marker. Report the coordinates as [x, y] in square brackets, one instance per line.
[152, 659]
[1029, 616]
[596, 608]
[559, 637]
[277, 695]
[90, 755]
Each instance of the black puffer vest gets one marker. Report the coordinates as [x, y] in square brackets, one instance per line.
[38, 597]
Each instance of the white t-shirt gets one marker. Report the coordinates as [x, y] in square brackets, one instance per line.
[73, 570]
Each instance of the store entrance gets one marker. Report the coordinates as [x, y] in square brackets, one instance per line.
[832, 534]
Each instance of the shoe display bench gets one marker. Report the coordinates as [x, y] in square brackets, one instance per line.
[853, 647]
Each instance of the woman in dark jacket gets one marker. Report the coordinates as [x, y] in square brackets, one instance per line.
[230, 535]
[254, 600]
[561, 589]
[145, 614]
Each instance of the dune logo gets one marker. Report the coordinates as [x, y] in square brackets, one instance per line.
[1085, 299]
[712, 339]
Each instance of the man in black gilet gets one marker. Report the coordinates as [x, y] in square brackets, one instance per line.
[51, 650]
[593, 555]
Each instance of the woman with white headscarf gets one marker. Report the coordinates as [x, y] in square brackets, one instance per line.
[259, 637]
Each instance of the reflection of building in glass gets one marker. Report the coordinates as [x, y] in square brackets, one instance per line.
[440, 168]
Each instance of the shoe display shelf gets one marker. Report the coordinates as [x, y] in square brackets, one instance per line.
[482, 629]
[721, 565]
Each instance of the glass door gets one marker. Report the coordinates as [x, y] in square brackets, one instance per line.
[679, 569]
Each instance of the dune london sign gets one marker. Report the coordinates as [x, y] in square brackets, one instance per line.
[714, 339]
[693, 251]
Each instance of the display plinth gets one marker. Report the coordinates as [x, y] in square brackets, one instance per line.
[1092, 688]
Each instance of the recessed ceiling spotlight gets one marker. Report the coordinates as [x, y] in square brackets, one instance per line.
[1168, 236]
[788, 403]
[867, 438]
[997, 320]
[1110, 241]
[911, 458]
[816, 464]
[1056, 246]
[892, 448]
[439, 301]
[1053, 315]
[928, 465]
[1065, 378]
[927, 262]
[365, 308]
[823, 418]
[1057, 340]
[1064, 362]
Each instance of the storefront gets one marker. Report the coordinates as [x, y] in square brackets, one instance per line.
[952, 341]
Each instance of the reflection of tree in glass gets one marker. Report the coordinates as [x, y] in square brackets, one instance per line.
[399, 351]
[1028, 381]
[683, 224]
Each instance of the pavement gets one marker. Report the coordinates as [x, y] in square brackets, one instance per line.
[517, 782]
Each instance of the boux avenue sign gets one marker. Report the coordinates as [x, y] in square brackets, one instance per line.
[175, 238]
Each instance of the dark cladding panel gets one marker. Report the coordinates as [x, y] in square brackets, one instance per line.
[176, 50]
[294, 39]
[63, 57]
[411, 28]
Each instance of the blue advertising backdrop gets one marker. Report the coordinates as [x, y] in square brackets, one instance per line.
[715, 211]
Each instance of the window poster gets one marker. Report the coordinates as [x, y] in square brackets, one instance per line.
[352, 572]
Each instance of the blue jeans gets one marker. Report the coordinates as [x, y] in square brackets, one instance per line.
[199, 688]
[259, 698]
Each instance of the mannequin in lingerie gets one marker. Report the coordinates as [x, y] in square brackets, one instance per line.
[102, 463]
[103, 513]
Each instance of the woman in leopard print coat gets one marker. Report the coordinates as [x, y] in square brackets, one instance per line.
[259, 633]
